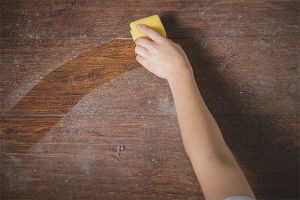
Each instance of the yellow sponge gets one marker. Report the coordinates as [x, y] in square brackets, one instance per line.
[153, 22]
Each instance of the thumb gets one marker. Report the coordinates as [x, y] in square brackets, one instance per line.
[149, 32]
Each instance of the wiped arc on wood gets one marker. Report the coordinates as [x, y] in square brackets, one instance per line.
[61, 89]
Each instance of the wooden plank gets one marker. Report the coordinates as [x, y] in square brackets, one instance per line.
[79, 156]
[110, 19]
[235, 77]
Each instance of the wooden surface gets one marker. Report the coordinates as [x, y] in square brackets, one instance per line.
[81, 119]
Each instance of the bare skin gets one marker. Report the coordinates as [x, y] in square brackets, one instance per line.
[215, 167]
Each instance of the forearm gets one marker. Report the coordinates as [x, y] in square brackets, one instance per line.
[198, 128]
[216, 169]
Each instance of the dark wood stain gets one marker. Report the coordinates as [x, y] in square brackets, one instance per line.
[72, 93]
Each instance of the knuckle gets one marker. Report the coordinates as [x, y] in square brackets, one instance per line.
[137, 41]
[160, 38]
[136, 49]
[152, 47]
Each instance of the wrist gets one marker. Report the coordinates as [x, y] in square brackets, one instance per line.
[183, 75]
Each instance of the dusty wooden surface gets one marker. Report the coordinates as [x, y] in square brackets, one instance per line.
[81, 119]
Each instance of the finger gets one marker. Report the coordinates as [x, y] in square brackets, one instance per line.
[141, 51]
[142, 61]
[143, 42]
[149, 32]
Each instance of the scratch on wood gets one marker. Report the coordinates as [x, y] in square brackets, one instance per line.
[119, 149]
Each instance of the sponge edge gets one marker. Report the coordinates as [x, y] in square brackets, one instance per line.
[153, 22]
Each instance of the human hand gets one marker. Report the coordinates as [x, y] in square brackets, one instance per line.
[161, 56]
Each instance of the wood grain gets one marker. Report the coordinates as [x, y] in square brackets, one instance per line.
[64, 116]
[79, 155]
[182, 19]
[19, 133]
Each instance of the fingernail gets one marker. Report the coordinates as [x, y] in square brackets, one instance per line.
[139, 26]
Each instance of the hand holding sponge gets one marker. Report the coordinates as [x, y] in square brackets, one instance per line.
[153, 22]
